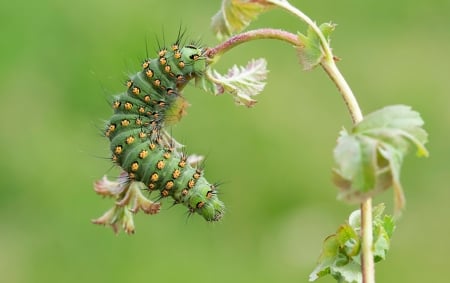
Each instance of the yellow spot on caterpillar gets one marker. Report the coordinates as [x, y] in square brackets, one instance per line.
[152, 146]
[176, 173]
[200, 204]
[143, 154]
[125, 122]
[118, 149]
[131, 175]
[136, 90]
[151, 186]
[163, 61]
[160, 165]
[116, 104]
[209, 194]
[177, 54]
[112, 127]
[129, 140]
[142, 135]
[185, 192]
[154, 177]
[169, 185]
[164, 193]
[182, 163]
[147, 99]
[134, 166]
[197, 174]
[149, 73]
[129, 83]
[175, 47]
[162, 52]
[141, 109]
[195, 57]
[191, 183]
[146, 64]
[181, 64]
[167, 69]
[128, 106]
[138, 121]
[166, 155]
[157, 82]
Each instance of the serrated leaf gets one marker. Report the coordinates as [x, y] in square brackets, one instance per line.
[242, 83]
[340, 259]
[236, 15]
[369, 158]
[310, 52]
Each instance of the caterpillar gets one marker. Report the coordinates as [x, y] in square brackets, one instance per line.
[136, 130]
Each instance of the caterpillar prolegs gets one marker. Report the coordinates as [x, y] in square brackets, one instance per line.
[140, 144]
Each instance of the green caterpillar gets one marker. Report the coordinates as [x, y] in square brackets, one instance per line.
[153, 101]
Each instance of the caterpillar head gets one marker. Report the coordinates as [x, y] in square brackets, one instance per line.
[204, 201]
[194, 55]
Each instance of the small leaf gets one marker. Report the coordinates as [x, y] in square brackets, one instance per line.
[235, 15]
[369, 158]
[311, 52]
[241, 82]
[340, 256]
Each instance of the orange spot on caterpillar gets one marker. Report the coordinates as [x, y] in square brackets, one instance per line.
[143, 154]
[136, 90]
[128, 106]
[142, 135]
[116, 104]
[146, 64]
[176, 173]
[160, 164]
[154, 177]
[162, 52]
[129, 83]
[169, 185]
[129, 140]
[191, 183]
[134, 166]
[125, 122]
[149, 73]
[118, 149]
[163, 61]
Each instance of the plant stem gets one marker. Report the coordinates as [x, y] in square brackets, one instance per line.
[367, 264]
[263, 33]
[329, 65]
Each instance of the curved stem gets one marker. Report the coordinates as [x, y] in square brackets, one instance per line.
[367, 264]
[328, 64]
[263, 33]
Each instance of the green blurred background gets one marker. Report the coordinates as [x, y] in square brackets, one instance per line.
[62, 60]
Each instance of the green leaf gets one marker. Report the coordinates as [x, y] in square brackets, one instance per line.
[369, 158]
[340, 256]
[242, 83]
[235, 15]
[311, 52]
